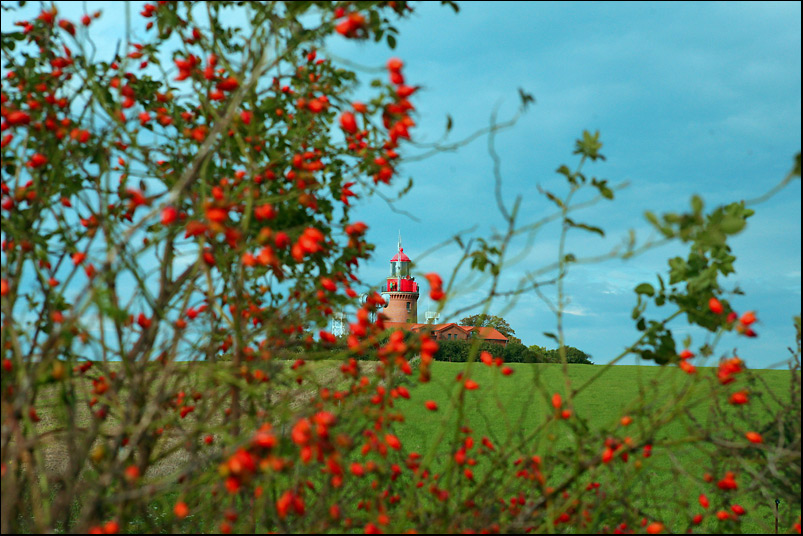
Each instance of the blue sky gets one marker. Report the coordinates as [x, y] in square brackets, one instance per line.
[694, 98]
[690, 98]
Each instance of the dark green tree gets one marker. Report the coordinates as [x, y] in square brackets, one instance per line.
[541, 353]
[573, 356]
[515, 352]
[459, 351]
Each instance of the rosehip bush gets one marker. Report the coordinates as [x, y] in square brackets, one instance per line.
[177, 233]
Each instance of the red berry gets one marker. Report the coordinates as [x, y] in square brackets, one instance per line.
[348, 122]
[754, 437]
[395, 64]
[748, 318]
[181, 510]
[715, 306]
[169, 215]
[738, 398]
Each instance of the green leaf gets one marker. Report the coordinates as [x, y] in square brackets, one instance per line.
[732, 224]
[553, 198]
[526, 98]
[645, 288]
[391, 41]
[564, 170]
[589, 146]
[585, 226]
[451, 4]
[696, 204]
[552, 336]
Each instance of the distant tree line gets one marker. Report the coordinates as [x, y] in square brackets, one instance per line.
[573, 355]
[513, 352]
[457, 351]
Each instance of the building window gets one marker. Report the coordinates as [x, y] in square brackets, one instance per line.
[408, 306]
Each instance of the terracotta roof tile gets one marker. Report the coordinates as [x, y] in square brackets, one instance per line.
[484, 332]
[487, 332]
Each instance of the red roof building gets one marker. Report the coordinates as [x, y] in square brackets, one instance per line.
[452, 331]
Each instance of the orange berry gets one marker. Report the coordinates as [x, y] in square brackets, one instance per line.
[748, 318]
[181, 510]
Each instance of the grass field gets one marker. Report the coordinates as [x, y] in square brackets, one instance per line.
[513, 406]
[510, 410]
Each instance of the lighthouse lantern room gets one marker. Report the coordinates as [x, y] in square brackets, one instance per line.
[401, 290]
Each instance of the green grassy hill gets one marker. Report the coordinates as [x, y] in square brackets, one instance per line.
[512, 408]
[515, 412]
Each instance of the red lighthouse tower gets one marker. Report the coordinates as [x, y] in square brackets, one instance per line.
[401, 291]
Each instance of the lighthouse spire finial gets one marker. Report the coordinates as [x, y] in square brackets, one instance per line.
[398, 263]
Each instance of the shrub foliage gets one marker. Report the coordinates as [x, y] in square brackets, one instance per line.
[176, 234]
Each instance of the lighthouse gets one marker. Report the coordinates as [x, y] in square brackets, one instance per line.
[401, 290]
